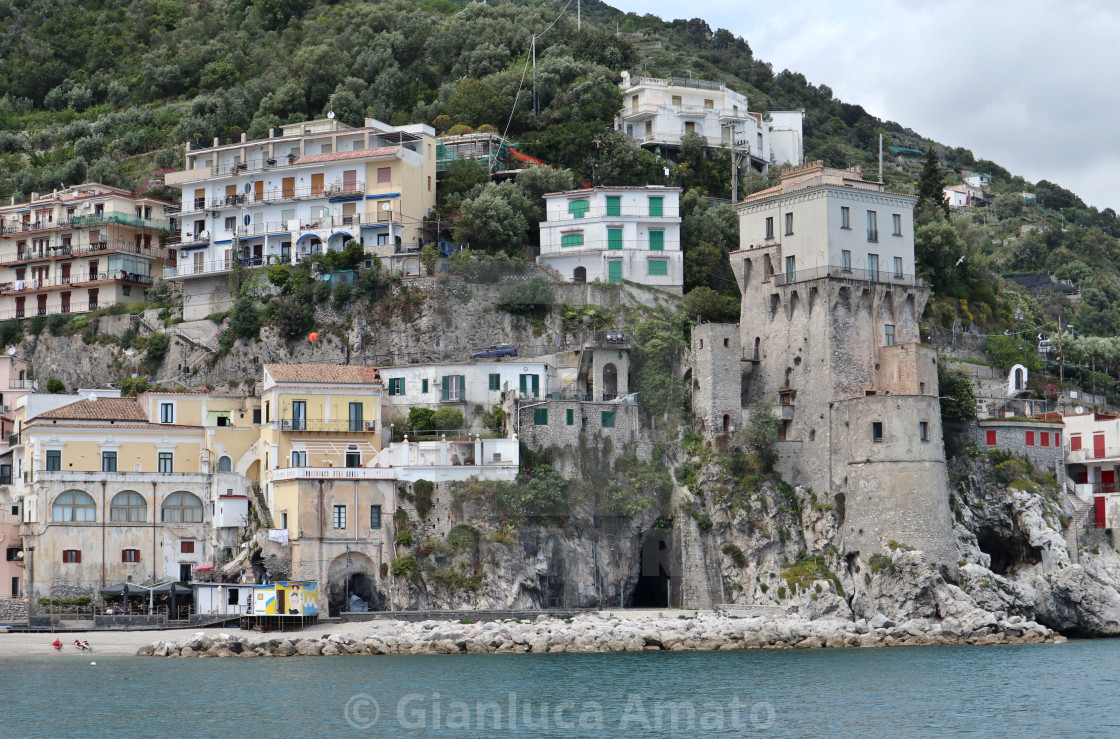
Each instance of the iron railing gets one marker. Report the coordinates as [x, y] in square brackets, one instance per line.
[322, 424]
[57, 251]
[125, 219]
[855, 275]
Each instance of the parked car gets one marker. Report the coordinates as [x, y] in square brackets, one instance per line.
[615, 337]
[498, 350]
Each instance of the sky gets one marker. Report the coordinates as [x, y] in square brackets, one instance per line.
[1028, 84]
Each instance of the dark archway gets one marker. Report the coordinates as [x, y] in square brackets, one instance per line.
[579, 275]
[610, 382]
[652, 589]
[358, 584]
[726, 422]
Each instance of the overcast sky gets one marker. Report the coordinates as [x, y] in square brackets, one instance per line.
[1028, 84]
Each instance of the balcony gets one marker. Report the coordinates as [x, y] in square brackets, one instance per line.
[32, 227]
[22, 384]
[91, 477]
[334, 473]
[319, 424]
[55, 309]
[124, 219]
[855, 275]
[641, 212]
[1091, 455]
[194, 269]
[63, 251]
[333, 190]
[28, 286]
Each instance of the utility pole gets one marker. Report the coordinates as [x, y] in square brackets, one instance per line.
[1061, 358]
[579, 15]
[737, 154]
[534, 75]
[880, 157]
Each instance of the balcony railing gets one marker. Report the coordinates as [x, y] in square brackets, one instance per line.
[125, 219]
[628, 245]
[856, 275]
[278, 194]
[334, 473]
[22, 384]
[1089, 454]
[32, 226]
[629, 211]
[321, 424]
[62, 251]
[77, 278]
[54, 309]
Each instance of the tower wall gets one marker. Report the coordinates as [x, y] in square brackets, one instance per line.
[717, 376]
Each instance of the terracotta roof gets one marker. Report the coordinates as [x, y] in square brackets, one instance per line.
[106, 409]
[340, 155]
[344, 374]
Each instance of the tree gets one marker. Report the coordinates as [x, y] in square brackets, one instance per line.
[133, 386]
[938, 250]
[708, 305]
[292, 317]
[958, 403]
[531, 297]
[761, 433]
[55, 386]
[931, 204]
[245, 321]
[421, 419]
[429, 256]
[447, 419]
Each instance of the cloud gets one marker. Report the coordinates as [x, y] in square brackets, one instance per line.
[1023, 83]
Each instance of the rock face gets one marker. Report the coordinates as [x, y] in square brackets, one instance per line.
[592, 633]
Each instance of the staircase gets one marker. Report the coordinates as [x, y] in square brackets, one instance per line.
[1081, 511]
[263, 513]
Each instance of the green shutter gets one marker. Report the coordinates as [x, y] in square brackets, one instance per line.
[614, 238]
[658, 267]
[536, 386]
[657, 241]
[571, 240]
[495, 382]
[578, 208]
[462, 387]
[607, 420]
[540, 417]
[656, 206]
[444, 388]
[423, 386]
[570, 416]
[523, 384]
[614, 270]
[614, 205]
[400, 386]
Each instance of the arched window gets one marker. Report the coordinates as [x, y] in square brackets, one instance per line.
[74, 505]
[579, 274]
[225, 464]
[726, 422]
[182, 508]
[128, 506]
[610, 382]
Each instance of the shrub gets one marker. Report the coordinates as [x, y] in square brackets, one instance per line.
[448, 418]
[55, 323]
[36, 325]
[10, 333]
[422, 491]
[55, 386]
[158, 345]
[421, 419]
[404, 538]
[292, 318]
[531, 297]
[279, 275]
[459, 129]
[736, 555]
[340, 295]
[406, 566]
[462, 537]
[321, 291]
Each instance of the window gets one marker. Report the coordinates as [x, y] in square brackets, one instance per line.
[108, 461]
[13, 554]
[396, 386]
[540, 417]
[656, 206]
[166, 462]
[923, 430]
[299, 459]
[888, 335]
[424, 386]
[877, 432]
[128, 507]
[375, 516]
[225, 464]
[54, 460]
[873, 267]
[231, 223]
[677, 100]
[898, 268]
[167, 413]
[339, 518]
[1045, 438]
[353, 458]
[990, 437]
[657, 241]
[606, 419]
[770, 227]
[614, 205]
[130, 555]
[575, 239]
[268, 411]
[495, 381]
[658, 267]
[791, 269]
[182, 507]
[1057, 438]
[257, 416]
[578, 208]
[845, 217]
[451, 387]
[789, 224]
[614, 238]
[186, 547]
[74, 505]
[845, 260]
[71, 556]
[384, 174]
[709, 104]
[1030, 438]
[896, 220]
[355, 416]
[872, 226]
[299, 415]
[570, 417]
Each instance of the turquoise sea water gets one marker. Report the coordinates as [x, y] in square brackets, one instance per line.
[1068, 689]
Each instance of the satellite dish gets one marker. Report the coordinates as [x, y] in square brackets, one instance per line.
[1079, 410]
[11, 351]
[330, 115]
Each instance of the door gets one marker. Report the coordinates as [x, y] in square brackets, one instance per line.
[1098, 511]
[281, 601]
[1108, 481]
[348, 211]
[288, 187]
[200, 199]
[65, 302]
[299, 415]
[92, 293]
[355, 416]
[873, 267]
[1098, 446]
[42, 304]
[614, 270]
[350, 180]
[317, 184]
[258, 190]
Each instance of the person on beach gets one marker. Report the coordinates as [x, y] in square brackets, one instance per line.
[57, 645]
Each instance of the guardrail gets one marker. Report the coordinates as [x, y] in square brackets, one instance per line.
[124, 219]
[74, 279]
[629, 211]
[855, 275]
[322, 424]
[61, 251]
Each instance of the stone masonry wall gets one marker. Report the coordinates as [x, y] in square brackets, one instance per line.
[1011, 436]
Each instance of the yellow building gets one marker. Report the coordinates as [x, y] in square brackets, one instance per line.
[81, 248]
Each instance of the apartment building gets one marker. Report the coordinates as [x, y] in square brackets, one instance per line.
[81, 248]
[613, 234]
[307, 188]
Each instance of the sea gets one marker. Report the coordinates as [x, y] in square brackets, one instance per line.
[1070, 689]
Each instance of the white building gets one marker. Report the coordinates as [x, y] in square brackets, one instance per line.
[463, 385]
[613, 234]
[314, 186]
[787, 143]
[831, 222]
[978, 180]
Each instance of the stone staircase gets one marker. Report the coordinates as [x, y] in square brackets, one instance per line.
[1081, 511]
[263, 512]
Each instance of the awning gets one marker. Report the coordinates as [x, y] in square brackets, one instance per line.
[204, 568]
[137, 590]
[169, 588]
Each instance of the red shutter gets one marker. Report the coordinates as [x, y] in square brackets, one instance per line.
[1075, 443]
[1045, 438]
[186, 547]
[1057, 438]
[991, 437]
[1030, 438]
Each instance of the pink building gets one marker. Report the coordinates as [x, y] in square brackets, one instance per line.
[14, 384]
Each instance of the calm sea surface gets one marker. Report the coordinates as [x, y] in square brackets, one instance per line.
[1029, 690]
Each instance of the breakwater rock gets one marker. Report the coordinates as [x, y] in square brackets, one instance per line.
[593, 633]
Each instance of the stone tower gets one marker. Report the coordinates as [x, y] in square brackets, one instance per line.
[830, 311]
[717, 377]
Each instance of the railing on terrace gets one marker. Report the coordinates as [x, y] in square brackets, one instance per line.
[333, 190]
[56, 251]
[13, 440]
[54, 309]
[337, 473]
[74, 279]
[451, 434]
[125, 219]
[1091, 453]
[630, 211]
[856, 275]
[30, 226]
[322, 424]
[640, 245]
[22, 384]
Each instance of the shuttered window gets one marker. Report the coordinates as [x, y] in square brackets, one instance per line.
[658, 267]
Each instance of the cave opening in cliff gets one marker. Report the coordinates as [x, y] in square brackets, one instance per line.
[652, 587]
[1008, 553]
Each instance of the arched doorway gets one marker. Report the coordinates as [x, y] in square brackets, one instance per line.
[726, 422]
[757, 347]
[579, 275]
[349, 575]
[1019, 378]
[610, 382]
[652, 589]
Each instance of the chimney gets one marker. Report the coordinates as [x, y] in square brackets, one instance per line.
[244, 137]
[217, 141]
[272, 133]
